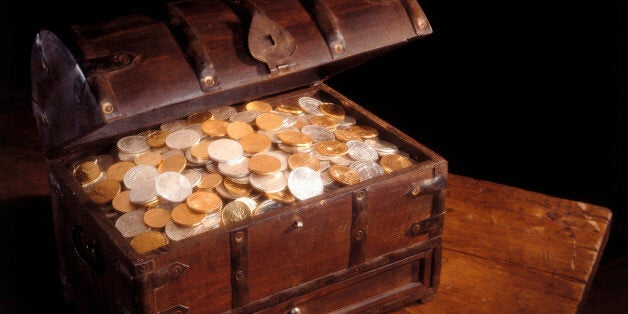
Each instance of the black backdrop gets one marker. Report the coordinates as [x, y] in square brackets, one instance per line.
[526, 93]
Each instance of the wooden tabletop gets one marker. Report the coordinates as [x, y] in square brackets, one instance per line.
[504, 249]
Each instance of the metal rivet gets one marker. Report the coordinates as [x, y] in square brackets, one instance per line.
[358, 235]
[422, 23]
[339, 48]
[298, 224]
[416, 190]
[209, 81]
[239, 236]
[415, 229]
[124, 59]
[294, 310]
[239, 275]
[107, 108]
[360, 194]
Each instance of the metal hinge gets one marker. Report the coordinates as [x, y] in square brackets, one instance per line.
[150, 279]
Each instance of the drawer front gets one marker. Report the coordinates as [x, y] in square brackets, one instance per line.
[407, 280]
[291, 249]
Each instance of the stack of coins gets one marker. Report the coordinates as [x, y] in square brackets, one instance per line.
[222, 166]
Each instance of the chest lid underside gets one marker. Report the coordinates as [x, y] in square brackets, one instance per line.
[134, 71]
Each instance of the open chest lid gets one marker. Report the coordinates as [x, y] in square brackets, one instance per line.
[136, 71]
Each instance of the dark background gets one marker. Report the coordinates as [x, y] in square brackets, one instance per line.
[531, 94]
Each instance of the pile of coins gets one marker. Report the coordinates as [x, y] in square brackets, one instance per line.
[224, 165]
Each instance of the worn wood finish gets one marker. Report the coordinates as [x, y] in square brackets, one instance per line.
[508, 250]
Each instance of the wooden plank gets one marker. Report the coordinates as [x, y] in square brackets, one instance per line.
[506, 249]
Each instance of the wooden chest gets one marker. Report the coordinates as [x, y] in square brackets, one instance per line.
[322, 243]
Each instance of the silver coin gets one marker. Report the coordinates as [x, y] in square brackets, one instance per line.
[225, 150]
[176, 232]
[247, 116]
[131, 224]
[382, 147]
[318, 133]
[241, 180]
[126, 157]
[140, 175]
[266, 206]
[183, 139]
[193, 175]
[223, 112]
[346, 122]
[237, 168]
[174, 125]
[270, 183]
[132, 144]
[271, 134]
[250, 203]
[324, 165]
[343, 160]
[310, 105]
[172, 152]
[289, 120]
[143, 194]
[173, 187]
[281, 156]
[195, 127]
[367, 169]
[304, 183]
[360, 151]
[211, 166]
[327, 179]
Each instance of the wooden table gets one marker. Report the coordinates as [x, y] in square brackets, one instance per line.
[505, 249]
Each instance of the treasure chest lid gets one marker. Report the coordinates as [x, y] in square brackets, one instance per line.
[135, 71]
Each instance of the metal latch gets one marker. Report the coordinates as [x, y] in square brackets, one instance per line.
[430, 186]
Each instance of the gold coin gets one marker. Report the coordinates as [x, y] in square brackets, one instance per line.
[204, 202]
[237, 189]
[150, 158]
[300, 124]
[269, 121]
[295, 138]
[119, 169]
[148, 241]
[255, 143]
[258, 105]
[199, 117]
[264, 164]
[327, 122]
[199, 150]
[304, 160]
[344, 175]
[214, 128]
[152, 203]
[87, 171]
[345, 136]
[293, 109]
[238, 129]
[122, 204]
[283, 196]
[332, 110]
[104, 191]
[332, 148]
[184, 216]
[157, 217]
[174, 163]
[393, 162]
[209, 181]
[235, 211]
[363, 131]
[157, 139]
